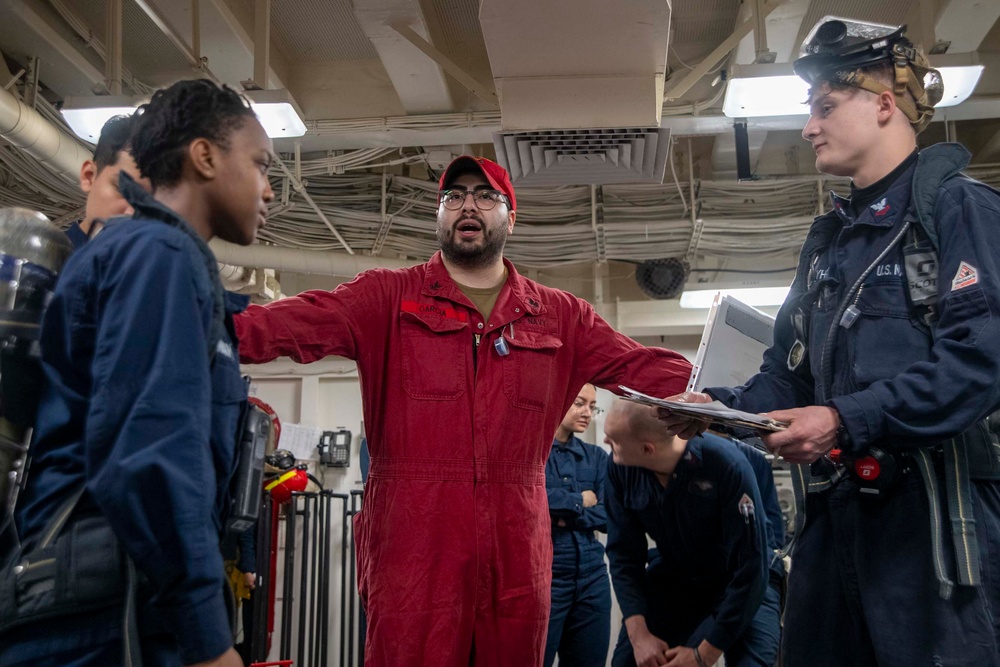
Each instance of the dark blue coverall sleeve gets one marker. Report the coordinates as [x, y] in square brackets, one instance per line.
[149, 460]
[626, 547]
[745, 546]
[596, 518]
[764, 475]
[564, 503]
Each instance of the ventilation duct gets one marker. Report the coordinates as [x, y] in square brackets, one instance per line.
[577, 63]
[584, 157]
[662, 278]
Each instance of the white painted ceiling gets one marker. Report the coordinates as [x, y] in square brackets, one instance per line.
[385, 116]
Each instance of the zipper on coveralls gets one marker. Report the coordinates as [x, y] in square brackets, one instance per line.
[475, 352]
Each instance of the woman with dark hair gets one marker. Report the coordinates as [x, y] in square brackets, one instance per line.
[136, 432]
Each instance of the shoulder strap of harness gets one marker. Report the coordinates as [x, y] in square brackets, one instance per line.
[969, 454]
[935, 166]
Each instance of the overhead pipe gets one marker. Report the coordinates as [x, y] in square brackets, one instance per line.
[296, 260]
[26, 129]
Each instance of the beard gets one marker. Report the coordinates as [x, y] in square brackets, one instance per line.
[473, 255]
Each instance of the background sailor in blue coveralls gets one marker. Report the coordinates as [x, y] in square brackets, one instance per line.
[135, 410]
[861, 366]
[580, 619]
[99, 179]
[707, 593]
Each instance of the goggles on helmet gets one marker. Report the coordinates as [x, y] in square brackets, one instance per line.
[838, 50]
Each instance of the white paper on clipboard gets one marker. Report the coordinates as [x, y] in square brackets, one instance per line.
[716, 413]
[732, 345]
[300, 440]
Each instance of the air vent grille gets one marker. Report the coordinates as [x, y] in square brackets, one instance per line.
[585, 156]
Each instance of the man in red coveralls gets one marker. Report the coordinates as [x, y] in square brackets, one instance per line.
[466, 370]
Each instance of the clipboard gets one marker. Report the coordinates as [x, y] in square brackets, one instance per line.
[715, 412]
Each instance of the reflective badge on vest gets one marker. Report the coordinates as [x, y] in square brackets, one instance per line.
[920, 263]
[966, 276]
[921, 273]
[225, 349]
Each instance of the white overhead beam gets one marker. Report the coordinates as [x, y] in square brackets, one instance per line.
[228, 43]
[745, 27]
[24, 31]
[965, 23]
[482, 91]
[261, 42]
[113, 36]
[417, 79]
[478, 127]
[192, 51]
[782, 25]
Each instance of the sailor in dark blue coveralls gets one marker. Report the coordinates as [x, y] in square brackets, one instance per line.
[145, 392]
[580, 617]
[706, 593]
[885, 363]
[99, 179]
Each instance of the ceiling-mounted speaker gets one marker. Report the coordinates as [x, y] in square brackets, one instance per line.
[662, 278]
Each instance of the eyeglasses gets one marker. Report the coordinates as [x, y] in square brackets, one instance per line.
[594, 410]
[485, 200]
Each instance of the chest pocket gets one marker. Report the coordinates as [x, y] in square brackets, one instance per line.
[434, 353]
[884, 341]
[586, 476]
[528, 369]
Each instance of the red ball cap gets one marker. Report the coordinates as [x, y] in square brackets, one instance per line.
[496, 175]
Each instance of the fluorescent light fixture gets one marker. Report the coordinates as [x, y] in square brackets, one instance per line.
[86, 116]
[959, 82]
[277, 112]
[774, 90]
[765, 95]
[752, 296]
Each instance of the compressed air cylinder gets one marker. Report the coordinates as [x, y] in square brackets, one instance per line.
[32, 253]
